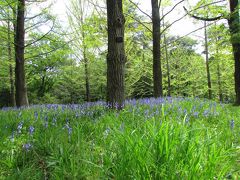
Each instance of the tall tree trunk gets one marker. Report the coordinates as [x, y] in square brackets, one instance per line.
[167, 60]
[116, 54]
[168, 67]
[157, 69]
[207, 62]
[21, 89]
[11, 80]
[234, 27]
[219, 82]
[86, 75]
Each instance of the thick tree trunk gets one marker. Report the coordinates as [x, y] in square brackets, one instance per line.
[234, 26]
[11, 79]
[157, 69]
[207, 62]
[21, 89]
[116, 54]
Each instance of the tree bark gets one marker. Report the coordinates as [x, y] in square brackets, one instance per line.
[86, 75]
[21, 89]
[219, 82]
[167, 61]
[11, 79]
[156, 35]
[207, 62]
[116, 54]
[234, 27]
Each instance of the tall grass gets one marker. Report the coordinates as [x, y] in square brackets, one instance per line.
[170, 138]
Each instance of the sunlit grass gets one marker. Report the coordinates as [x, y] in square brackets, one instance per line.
[150, 139]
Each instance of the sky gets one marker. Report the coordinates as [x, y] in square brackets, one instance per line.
[180, 28]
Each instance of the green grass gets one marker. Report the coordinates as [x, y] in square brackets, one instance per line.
[152, 139]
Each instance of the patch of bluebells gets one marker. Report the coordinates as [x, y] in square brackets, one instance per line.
[95, 110]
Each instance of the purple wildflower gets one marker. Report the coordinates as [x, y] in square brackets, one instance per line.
[187, 120]
[195, 114]
[27, 146]
[46, 124]
[36, 114]
[232, 124]
[31, 130]
[68, 128]
[205, 113]
[19, 128]
[106, 132]
[54, 121]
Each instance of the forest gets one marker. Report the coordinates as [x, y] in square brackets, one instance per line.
[119, 89]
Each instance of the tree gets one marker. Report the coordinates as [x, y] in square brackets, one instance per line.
[234, 26]
[207, 62]
[20, 82]
[157, 70]
[116, 54]
[77, 17]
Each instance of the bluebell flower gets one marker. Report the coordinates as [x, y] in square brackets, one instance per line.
[205, 113]
[46, 124]
[31, 130]
[19, 128]
[106, 132]
[69, 130]
[184, 111]
[54, 121]
[195, 114]
[27, 146]
[232, 124]
[36, 114]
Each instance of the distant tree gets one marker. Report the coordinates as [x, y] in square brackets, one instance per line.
[209, 82]
[116, 54]
[234, 27]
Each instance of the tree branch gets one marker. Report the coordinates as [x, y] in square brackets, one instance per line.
[140, 9]
[203, 18]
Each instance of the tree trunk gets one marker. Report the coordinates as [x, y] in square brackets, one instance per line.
[116, 54]
[167, 61]
[207, 62]
[86, 75]
[219, 82]
[157, 69]
[21, 89]
[168, 69]
[234, 27]
[11, 80]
